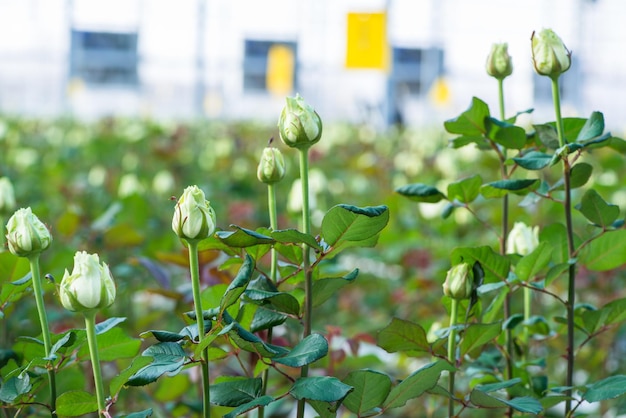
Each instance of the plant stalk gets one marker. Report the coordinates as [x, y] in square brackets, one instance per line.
[454, 307]
[45, 329]
[306, 262]
[271, 204]
[197, 302]
[90, 327]
[571, 287]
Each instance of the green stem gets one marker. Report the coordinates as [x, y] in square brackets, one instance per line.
[271, 204]
[197, 302]
[90, 326]
[501, 98]
[452, 353]
[2, 237]
[571, 292]
[45, 329]
[527, 309]
[306, 262]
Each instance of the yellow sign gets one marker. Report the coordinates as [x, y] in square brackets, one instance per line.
[280, 70]
[367, 41]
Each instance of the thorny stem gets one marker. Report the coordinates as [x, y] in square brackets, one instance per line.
[306, 262]
[45, 329]
[197, 302]
[90, 327]
[452, 353]
[271, 204]
[571, 292]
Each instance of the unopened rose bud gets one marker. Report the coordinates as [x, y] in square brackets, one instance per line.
[90, 285]
[7, 196]
[26, 234]
[299, 125]
[459, 282]
[271, 168]
[499, 64]
[550, 56]
[194, 218]
[522, 239]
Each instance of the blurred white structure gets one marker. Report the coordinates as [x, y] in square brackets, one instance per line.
[215, 58]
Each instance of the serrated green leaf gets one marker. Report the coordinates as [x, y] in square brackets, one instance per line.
[596, 210]
[605, 252]
[75, 403]
[242, 237]
[477, 335]
[506, 134]
[345, 223]
[248, 341]
[370, 390]
[235, 392]
[320, 388]
[307, 351]
[167, 358]
[416, 384]
[419, 192]
[266, 318]
[326, 287]
[248, 406]
[471, 122]
[609, 388]
[404, 336]
[239, 283]
[502, 187]
[533, 160]
[465, 190]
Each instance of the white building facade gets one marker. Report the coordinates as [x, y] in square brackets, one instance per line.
[237, 59]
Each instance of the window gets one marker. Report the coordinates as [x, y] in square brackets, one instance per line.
[104, 58]
[261, 56]
[415, 70]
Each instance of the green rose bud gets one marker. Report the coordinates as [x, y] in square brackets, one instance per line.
[499, 64]
[26, 234]
[194, 218]
[459, 282]
[272, 166]
[550, 56]
[522, 239]
[299, 125]
[7, 196]
[89, 287]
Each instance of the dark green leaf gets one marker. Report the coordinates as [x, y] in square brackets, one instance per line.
[465, 190]
[282, 301]
[120, 380]
[492, 387]
[167, 358]
[522, 404]
[14, 387]
[595, 209]
[167, 336]
[107, 324]
[529, 265]
[141, 414]
[307, 351]
[248, 406]
[113, 345]
[605, 252]
[66, 340]
[265, 319]
[506, 134]
[75, 403]
[324, 388]
[580, 174]
[421, 193]
[293, 236]
[416, 384]
[345, 223]
[496, 266]
[593, 127]
[548, 136]
[325, 288]
[405, 336]
[370, 390]
[502, 187]
[477, 335]
[243, 237]
[533, 160]
[235, 392]
[239, 283]
[471, 122]
[609, 388]
[250, 342]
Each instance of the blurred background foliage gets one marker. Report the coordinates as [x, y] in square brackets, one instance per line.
[105, 186]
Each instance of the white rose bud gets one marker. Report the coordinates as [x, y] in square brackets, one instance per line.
[194, 218]
[459, 282]
[271, 168]
[299, 125]
[550, 56]
[26, 234]
[7, 196]
[499, 64]
[522, 239]
[89, 287]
